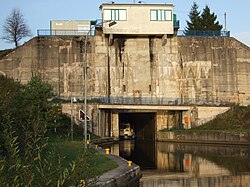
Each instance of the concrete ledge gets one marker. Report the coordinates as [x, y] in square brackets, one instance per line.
[206, 137]
[104, 140]
[122, 176]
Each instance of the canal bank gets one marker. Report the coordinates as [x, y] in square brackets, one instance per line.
[127, 174]
[207, 137]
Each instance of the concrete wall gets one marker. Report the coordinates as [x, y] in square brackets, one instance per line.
[58, 60]
[206, 137]
[214, 68]
[209, 71]
[203, 70]
[206, 114]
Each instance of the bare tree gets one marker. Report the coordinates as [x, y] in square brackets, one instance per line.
[15, 27]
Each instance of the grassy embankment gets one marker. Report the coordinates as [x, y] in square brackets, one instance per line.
[236, 119]
[71, 150]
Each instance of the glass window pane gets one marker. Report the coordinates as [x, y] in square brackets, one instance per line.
[162, 15]
[153, 15]
[159, 15]
[112, 14]
[123, 15]
[107, 14]
[168, 15]
[117, 15]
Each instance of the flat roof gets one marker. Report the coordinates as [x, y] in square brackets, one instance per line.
[126, 4]
[68, 20]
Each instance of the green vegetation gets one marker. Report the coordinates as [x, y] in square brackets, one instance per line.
[72, 150]
[202, 21]
[5, 52]
[236, 119]
[34, 142]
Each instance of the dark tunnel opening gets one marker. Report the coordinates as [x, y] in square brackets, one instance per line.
[142, 123]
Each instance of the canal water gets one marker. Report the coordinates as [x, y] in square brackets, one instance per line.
[187, 165]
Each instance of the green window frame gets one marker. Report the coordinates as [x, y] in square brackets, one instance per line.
[115, 14]
[160, 15]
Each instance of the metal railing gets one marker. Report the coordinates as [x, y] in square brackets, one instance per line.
[160, 101]
[177, 24]
[155, 101]
[99, 23]
[203, 33]
[49, 32]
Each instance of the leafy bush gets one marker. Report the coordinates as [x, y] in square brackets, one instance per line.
[26, 155]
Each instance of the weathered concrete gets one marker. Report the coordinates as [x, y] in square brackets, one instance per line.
[215, 68]
[206, 114]
[192, 71]
[206, 137]
[208, 69]
[166, 117]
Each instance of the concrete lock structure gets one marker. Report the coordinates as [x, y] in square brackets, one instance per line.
[138, 71]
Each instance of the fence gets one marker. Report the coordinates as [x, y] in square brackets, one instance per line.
[49, 32]
[160, 101]
[203, 33]
[153, 101]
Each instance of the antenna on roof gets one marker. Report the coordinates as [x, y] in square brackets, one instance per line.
[225, 17]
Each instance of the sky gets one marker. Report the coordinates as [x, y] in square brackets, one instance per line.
[38, 13]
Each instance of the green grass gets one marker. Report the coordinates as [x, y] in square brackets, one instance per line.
[237, 119]
[72, 150]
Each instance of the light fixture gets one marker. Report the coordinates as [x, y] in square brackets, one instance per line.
[72, 100]
[112, 23]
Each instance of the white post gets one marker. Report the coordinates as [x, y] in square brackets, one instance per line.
[85, 83]
[85, 105]
[85, 91]
[71, 126]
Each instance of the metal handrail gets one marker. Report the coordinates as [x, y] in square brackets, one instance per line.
[177, 24]
[55, 32]
[161, 101]
[157, 101]
[203, 33]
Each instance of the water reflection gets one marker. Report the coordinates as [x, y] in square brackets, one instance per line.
[187, 165]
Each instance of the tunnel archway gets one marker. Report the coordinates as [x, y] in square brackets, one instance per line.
[142, 123]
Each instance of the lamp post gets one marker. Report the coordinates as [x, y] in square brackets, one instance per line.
[72, 118]
[85, 65]
[85, 88]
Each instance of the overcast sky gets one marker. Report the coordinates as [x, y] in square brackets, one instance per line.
[38, 13]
